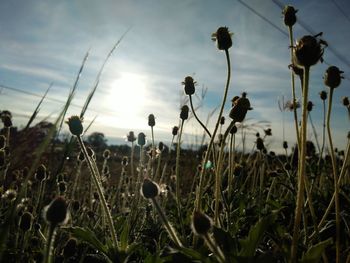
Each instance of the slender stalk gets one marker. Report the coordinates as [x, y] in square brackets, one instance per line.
[177, 166]
[49, 244]
[302, 165]
[101, 196]
[335, 176]
[195, 115]
[315, 133]
[290, 30]
[214, 248]
[206, 158]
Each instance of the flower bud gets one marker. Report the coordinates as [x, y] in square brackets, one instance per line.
[189, 85]
[141, 139]
[25, 222]
[285, 145]
[289, 15]
[332, 77]
[309, 106]
[222, 120]
[201, 223]
[223, 38]
[151, 120]
[40, 174]
[56, 212]
[184, 112]
[75, 125]
[149, 189]
[131, 137]
[323, 95]
[175, 130]
[260, 144]
[308, 51]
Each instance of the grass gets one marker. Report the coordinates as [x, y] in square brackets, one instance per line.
[171, 204]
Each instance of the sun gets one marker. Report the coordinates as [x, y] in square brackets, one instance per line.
[126, 97]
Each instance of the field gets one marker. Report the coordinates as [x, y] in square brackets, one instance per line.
[75, 199]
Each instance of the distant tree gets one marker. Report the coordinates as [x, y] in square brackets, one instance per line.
[97, 141]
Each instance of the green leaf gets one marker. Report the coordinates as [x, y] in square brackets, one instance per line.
[225, 241]
[153, 259]
[256, 233]
[89, 237]
[314, 253]
[124, 236]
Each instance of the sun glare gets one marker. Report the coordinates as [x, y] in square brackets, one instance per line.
[126, 97]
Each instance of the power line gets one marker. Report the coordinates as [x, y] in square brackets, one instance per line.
[341, 10]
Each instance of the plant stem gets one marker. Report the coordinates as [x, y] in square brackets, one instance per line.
[195, 115]
[49, 244]
[206, 158]
[302, 164]
[335, 177]
[95, 177]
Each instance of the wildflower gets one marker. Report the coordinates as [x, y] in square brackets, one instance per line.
[151, 120]
[131, 137]
[75, 125]
[332, 77]
[323, 95]
[175, 130]
[149, 189]
[201, 223]
[56, 212]
[141, 139]
[189, 85]
[289, 15]
[223, 38]
[240, 108]
[308, 51]
[184, 112]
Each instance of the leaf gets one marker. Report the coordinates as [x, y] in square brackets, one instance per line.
[89, 237]
[124, 236]
[251, 242]
[153, 259]
[314, 253]
[225, 241]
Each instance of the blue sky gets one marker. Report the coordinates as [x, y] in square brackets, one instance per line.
[45, 41]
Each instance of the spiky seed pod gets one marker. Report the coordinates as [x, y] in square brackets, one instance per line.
[131, 137]
[62, 187]
[106, 154]
[289, 15]
[268, 132]
[332, 77]
[285, 145]
[240, 108]
[149, 189]
[189, 84]
[7, 121]
[223, 38]
[323, 95]
[161, 146]
[141, 139]
[201, 223]
[308, 51]
[2, 141]
[40, 173]
[175, 130]
[222, 120]
[260, 144]
[25, 222]
[151, 120]
[75, 125]
[10, 195]
[345, 101]
[309, 106]
[184, 112]
[56, 213]
[233, 129]
[125, 161]
[70, 248]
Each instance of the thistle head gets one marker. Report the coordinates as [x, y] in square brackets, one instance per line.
[149, 189]
[289, 16]
[184, 112]
[131, 137]
[201, 223]
[175, 130]
[56, 213]
[141, 139]
[223, 38]
[151, 120]
[240, 107]
[332, 77]
[189, 85]
[75, 125]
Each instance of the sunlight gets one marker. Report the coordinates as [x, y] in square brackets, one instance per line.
[126, 97]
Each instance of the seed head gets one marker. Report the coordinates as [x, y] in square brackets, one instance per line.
[233, 129]
[141, 139]
[25, 222]
[345, 101]
[285, 145]
[308, 51]
[10, 195]
[223, 38]
[222, 120]
[268, 132]
[75, 125]
[175, 130]
[56, 212]
[309, 106]
[240, 107]
[201, 223]
[131, 137]
[149, 189]
[260, 144]
[332, 77]
[151, 120]
[189, 85]
[40, 174]
[184, 112]
[289, 15]
[106, 154]
[323, 95]
[70, 248]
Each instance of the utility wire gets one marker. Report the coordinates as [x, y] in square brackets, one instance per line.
[341, 10]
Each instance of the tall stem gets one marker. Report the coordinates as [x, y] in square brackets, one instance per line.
[195, 115]
[49, 244]
[206, 158]
[302, 163]
[335, 176]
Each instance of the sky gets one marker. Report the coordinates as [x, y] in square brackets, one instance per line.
[44, 42]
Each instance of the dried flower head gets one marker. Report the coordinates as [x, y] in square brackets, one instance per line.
[260, 144]
[268, 132]
[175, 130]
[106, 154]
[222, 120]
[10, 195]
[189, 84]
[323, 95]
[289, 15]
[240, 107]
[309, 106]
[56, 213]
[285, 145]
[149, 189]
[184, 112]
[25, 222]
[223, 38]
[75, 125]
[151, 120]
[308, 50]
[40, 173]
[233, 129]
[332, 77]
[345, 101]
[201, 223]
[141, 139]
[131, 137]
